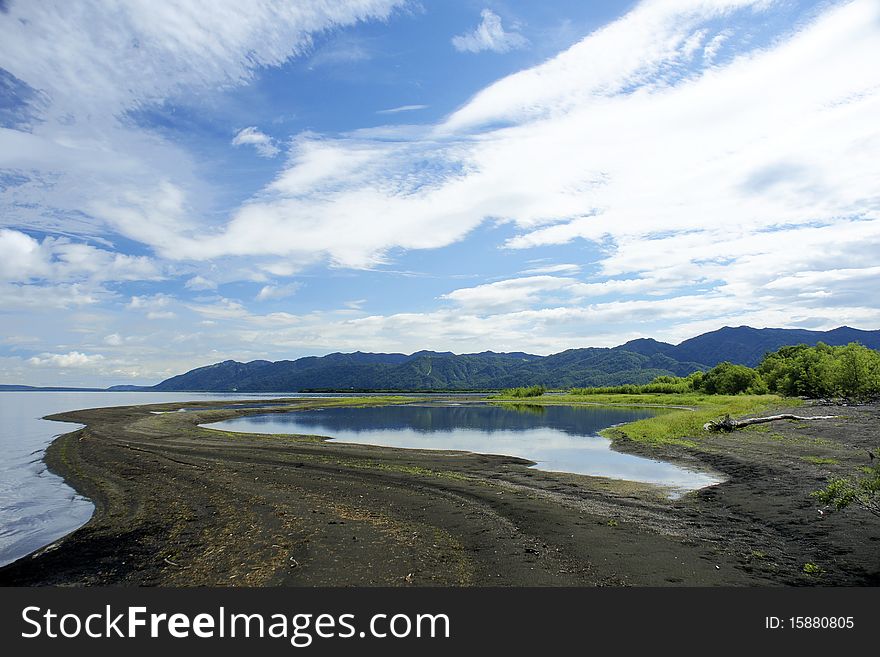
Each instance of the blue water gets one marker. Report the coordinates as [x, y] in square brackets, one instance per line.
[556, 438]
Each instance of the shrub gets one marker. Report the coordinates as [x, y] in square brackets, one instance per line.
[852, 371]
[729, 379]
[864, 491]
[530, 391]
[664, 385]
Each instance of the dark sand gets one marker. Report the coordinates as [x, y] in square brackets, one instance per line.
[177, 505]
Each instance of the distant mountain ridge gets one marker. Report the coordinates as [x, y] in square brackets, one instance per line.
[637, 361]
[745, 345]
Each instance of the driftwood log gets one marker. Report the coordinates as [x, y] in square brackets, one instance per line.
[728, 424]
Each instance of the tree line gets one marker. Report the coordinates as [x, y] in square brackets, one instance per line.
[851, 371]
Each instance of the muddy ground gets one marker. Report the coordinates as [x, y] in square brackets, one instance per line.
[179, 505]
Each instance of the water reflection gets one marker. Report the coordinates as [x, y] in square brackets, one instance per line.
[556, 438]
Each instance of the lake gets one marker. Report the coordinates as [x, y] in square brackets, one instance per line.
[556, 438]
[36, 506]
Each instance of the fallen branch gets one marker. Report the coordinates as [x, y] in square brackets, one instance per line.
[728, 424]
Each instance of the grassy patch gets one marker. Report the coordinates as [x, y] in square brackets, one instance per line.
[682, 427]
[682, 422]
[812, 569]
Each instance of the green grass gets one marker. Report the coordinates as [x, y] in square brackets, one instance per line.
[812, 569]
[682, 427]
[683, 423]
[820, 460]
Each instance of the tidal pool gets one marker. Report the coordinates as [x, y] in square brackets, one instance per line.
[556, 438]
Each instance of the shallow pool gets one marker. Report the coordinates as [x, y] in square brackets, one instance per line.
[556, 438]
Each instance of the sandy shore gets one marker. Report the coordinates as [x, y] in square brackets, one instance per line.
[178, 505]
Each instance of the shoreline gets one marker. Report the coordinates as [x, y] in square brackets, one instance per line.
[179, 505]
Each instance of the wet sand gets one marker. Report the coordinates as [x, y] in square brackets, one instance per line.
[179, 505]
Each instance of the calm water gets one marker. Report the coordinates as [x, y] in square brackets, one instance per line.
[556, 438]
[37, 507]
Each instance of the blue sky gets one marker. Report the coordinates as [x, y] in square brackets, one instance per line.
[187, 182]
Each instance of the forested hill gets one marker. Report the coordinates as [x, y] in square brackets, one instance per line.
[745, 345]
[637, 361]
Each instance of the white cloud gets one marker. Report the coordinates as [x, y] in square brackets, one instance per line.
[275, 292]
[342, 50]
[221, 309]
[109, 57]
[728, 188]
[161, 314]
[263, 143]
[17, 296]
[711, 50]
[155, 306]
[85, 164]
[24, 258]
[149, 302]
[599, 143]
[402, 108]
[70, 359]
[526, 292]
[567, 268]
[489, 35]
[200, 283]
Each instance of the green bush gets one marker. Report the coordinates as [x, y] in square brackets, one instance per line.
[664, 385]
[863, 491]
[729, 379]
[530, 391]
[852, 371]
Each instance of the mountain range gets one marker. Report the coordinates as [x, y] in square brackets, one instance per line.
[637, 361]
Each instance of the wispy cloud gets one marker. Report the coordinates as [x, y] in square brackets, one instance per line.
[84, 159]
[618, 141]
[341, 51]
[489, 35]
[110, 57]
[199, 282]
[569, 269]
[275, 292]
[263, 143]
[402, 108]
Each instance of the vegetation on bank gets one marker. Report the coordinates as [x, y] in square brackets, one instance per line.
[851, 372]
[681, 426]
[682, 416]
[530, 391]
[863, 491]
